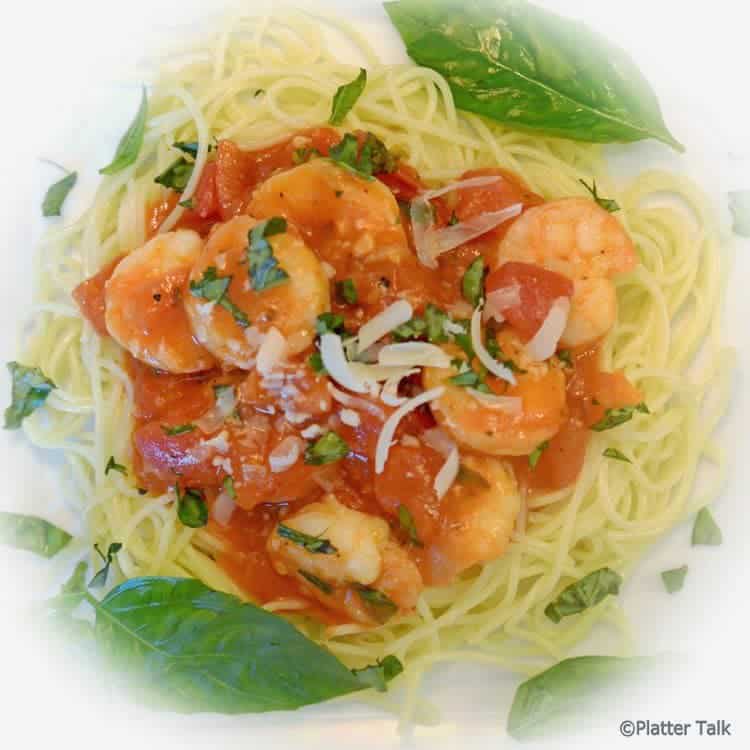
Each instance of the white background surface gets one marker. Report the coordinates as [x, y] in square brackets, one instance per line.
[68, 93]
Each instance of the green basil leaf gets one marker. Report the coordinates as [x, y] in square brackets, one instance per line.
[131, 143]
[464, 339]
[406, 521]
[303, 155]
[206, 651]
[378, 675]
[372, 158]
[180, 429]
[615, 417]
[263, 267]
[314, 544]
[29, 390]
[315, 361]
[472, 284]
[412, 329]
[112, 465]
[319, 583]
[189, 147]
[606, 203]
[532, 69]
[617, 455]
[100, 579]
[177, 176]
[536, 454]
[228, 485]
[470, 477]
[32, 534]
[329, 323]
[563, 691]
[705, 530]
[588, 592]
[214, 288]
[57, 193]
[191, 508]
[346, 97]
[565, 356]
[435, 319]
[346, 292]
[674, 579]
[739, 205]
[382, 606]
[326, 450]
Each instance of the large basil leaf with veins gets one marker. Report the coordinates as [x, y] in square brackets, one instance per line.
[531, 69]
[208, 651]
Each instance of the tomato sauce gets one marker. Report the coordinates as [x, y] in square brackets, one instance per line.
[242, 444]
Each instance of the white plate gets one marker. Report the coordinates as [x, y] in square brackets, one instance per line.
[68, 94]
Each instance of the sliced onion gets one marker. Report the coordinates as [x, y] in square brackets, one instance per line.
[497, 369]
[500, 300]
[272, 351]
[373, 374]
[447, 474]
[334, 360]
[544, 343]
[439, 440]
[511, 404]
[413, 354]
[285, 454]
[223, 508]
[356, 403]
[350, 417]
[383, 323]
[391, 424]
[213, 419]
[389, 393]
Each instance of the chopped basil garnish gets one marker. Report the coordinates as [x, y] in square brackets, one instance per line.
[112, 465]
[29, 390]
[378, 675]
[314, 544]
[536, 454]
[739, 205]
[616, 455]
[130, 143]
[176, 176]
[346, 292]
[383, 606]
[373, 158]
[412, 329]
[346, 97]
[228, 485]
[326, 450]
[674, 579]
[616, 417]
[303, 155]
[221, 388]
[315, 361]
[565, 356]
[189, 147]
[464, 339]
[470, 477]
[188, 204]
[191, 508]
[705, 530]
[435, 319]
[180, 429]
[319, 583]
[32, 534]
[472, 285]
[214, 288]
[406, 521]
[453, 219]
[470, 379]
[606, 203]
[57, 193]
[264, 269]
[588, 592]
[100, 579]
[329, 323]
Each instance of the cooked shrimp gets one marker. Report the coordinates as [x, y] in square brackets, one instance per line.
[578, 239]
[499, 429]
[359, 554]
[233, 329]
[478, 517]
[144, 309]
[342, 215]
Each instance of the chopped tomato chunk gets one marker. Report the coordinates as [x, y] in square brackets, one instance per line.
[89, 296]
[537, 287]
[404, 183]
[206, 199]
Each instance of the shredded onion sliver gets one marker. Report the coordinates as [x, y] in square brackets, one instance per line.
[389, 428]
[383, 323]
[272, 352]
[447, 474]
[496, 368]
[335, 362]
[413, 354]
[355, 403]
[223, 508]
[544, 343]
